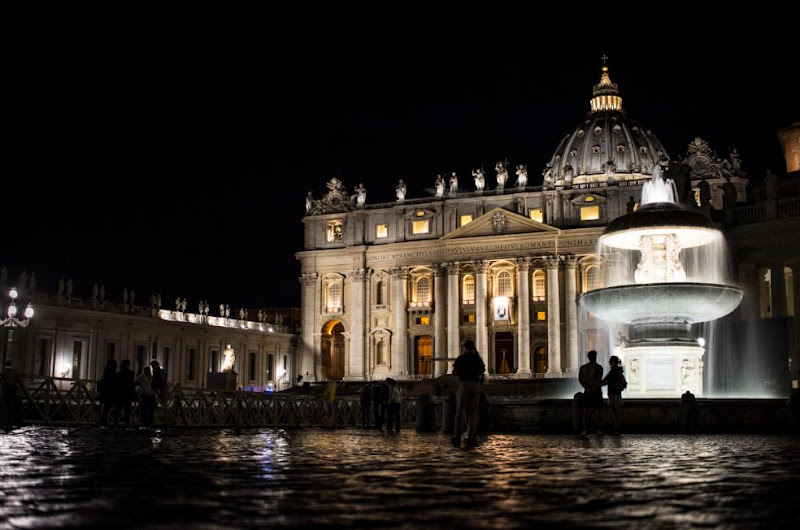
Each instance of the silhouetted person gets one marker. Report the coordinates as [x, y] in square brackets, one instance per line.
[380, 397]
[393, 406]
[330, 402]
[366, 404]
[125, 392]
[616, 384]
[469, 368]
[159, 384]
[106, 391]
[147, 398]
[590, 376]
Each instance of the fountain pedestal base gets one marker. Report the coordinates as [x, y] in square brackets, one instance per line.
[662, 369]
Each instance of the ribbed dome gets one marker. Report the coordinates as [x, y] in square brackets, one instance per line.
[606, 146]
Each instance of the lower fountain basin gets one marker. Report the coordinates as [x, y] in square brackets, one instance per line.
[689, 302]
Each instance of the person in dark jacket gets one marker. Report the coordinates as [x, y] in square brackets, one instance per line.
[380, 399]
[366, 404]
[616, 384]
[125, 392]
[159, 384]
[106, 391]
[469, 368]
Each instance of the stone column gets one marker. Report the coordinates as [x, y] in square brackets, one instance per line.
[523, 317]
[778, 285]
[481, 325]
[439, 319]
[453, 313]
[358, 309]
[553, 318]
[400, 312]
[309, 284]
[571, 302]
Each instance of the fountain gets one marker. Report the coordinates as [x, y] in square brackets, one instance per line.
[666, 272]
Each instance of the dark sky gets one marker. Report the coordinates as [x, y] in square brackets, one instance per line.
[181, 168]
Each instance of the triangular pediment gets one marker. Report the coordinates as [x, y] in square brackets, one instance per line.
[499, 222]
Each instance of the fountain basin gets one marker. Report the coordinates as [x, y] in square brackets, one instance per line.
[692, 228]
[663, 302]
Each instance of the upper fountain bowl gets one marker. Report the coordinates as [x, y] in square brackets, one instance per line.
[656, 218]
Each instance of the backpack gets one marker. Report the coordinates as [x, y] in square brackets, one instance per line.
[621, 383]
[395, 394]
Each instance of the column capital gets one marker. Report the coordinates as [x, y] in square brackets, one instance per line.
[453, 267]
[524, 263]
[439, 269]
[308, 278]
[570, 261]
[481, 266]
[399, 273]
[552, 261]
[359, 275]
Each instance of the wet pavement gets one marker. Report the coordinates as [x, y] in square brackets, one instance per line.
[196, 478]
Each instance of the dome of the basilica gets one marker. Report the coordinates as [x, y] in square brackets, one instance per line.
[606, 146]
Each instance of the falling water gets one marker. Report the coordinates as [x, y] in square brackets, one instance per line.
[658, 189]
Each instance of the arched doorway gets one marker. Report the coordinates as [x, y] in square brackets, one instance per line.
[540, 360]
[333, 350]
[503, 352]
[423, 354]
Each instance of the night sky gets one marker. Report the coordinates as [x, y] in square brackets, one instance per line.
[182, 169]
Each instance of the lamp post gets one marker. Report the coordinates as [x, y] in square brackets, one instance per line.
[11, 409]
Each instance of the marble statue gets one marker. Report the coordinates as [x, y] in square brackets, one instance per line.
[480, 180]
[400, 190]
[361, 195]
[502, 174]
[453, 183]
[522, 176]
[222, 310]
[439, 185]
[548, 177]
[309, 201]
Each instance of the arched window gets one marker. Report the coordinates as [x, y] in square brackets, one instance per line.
[592, 278]
[469, 289]
[504, 284]
[380, 293]
[539, 285]
[334, 297]
[424, 290]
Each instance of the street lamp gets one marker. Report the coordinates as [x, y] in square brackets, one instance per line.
[12, 322]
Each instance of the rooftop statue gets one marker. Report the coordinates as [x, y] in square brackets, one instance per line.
[361, 195]
[522, 176]
[480, 180]
[400, 189]
[453, 183]
[439, 185]
[502, 174]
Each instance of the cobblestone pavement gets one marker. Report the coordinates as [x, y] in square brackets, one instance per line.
[57, 477]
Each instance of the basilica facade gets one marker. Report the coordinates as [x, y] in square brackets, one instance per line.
[393, 289]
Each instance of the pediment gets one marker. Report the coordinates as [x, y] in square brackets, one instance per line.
[499, 222]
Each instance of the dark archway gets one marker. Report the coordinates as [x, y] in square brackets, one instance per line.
[333, 350]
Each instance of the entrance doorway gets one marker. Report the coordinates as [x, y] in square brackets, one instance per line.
[423, 354]
[540, 360]
[503, 352]
[333, 350]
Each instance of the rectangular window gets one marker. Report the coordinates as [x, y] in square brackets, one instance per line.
[191, 360]
[466, 219]
[214, 361]
[590, 213]
[420, 227]
[111, 350]
[423, 321]
[334, 231]
[536, 215]
[41, 357]
[77, 353]
[270, 363]
[252, 366]
[541, 315]
[382, 231]
[468, 318]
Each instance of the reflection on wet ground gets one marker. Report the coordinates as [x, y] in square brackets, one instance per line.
[57, 477]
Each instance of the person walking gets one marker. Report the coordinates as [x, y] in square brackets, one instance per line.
[125, 392]
[147, 398]
[469, 368]
[106, 391]
[393, 406]
[590, 376]
[616, 384]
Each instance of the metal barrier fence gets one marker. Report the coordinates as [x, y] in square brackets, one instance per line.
[60, 401]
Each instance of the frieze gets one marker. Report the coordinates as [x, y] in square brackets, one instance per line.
[471, 250]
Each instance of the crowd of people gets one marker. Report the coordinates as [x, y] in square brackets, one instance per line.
[118, 389]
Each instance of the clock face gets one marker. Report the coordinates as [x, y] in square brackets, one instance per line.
[700, 165]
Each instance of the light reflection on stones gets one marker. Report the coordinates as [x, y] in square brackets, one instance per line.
[354, 478]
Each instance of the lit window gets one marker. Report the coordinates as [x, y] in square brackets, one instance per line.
[382, 231]
[541, 315]
[420, 227]
[592, 278]
[537, 215]
[588, 198]
[590, 213]
[334, 231]
[466, 219]
[423, 321]
[424, 290]
[420, 213]
[469, 289]
[468, 318]
[334, 302]
[538, 285]
[504, 284]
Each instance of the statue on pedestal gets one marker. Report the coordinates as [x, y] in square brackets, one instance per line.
[480, 180]
[439, 185]
[522, 176]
